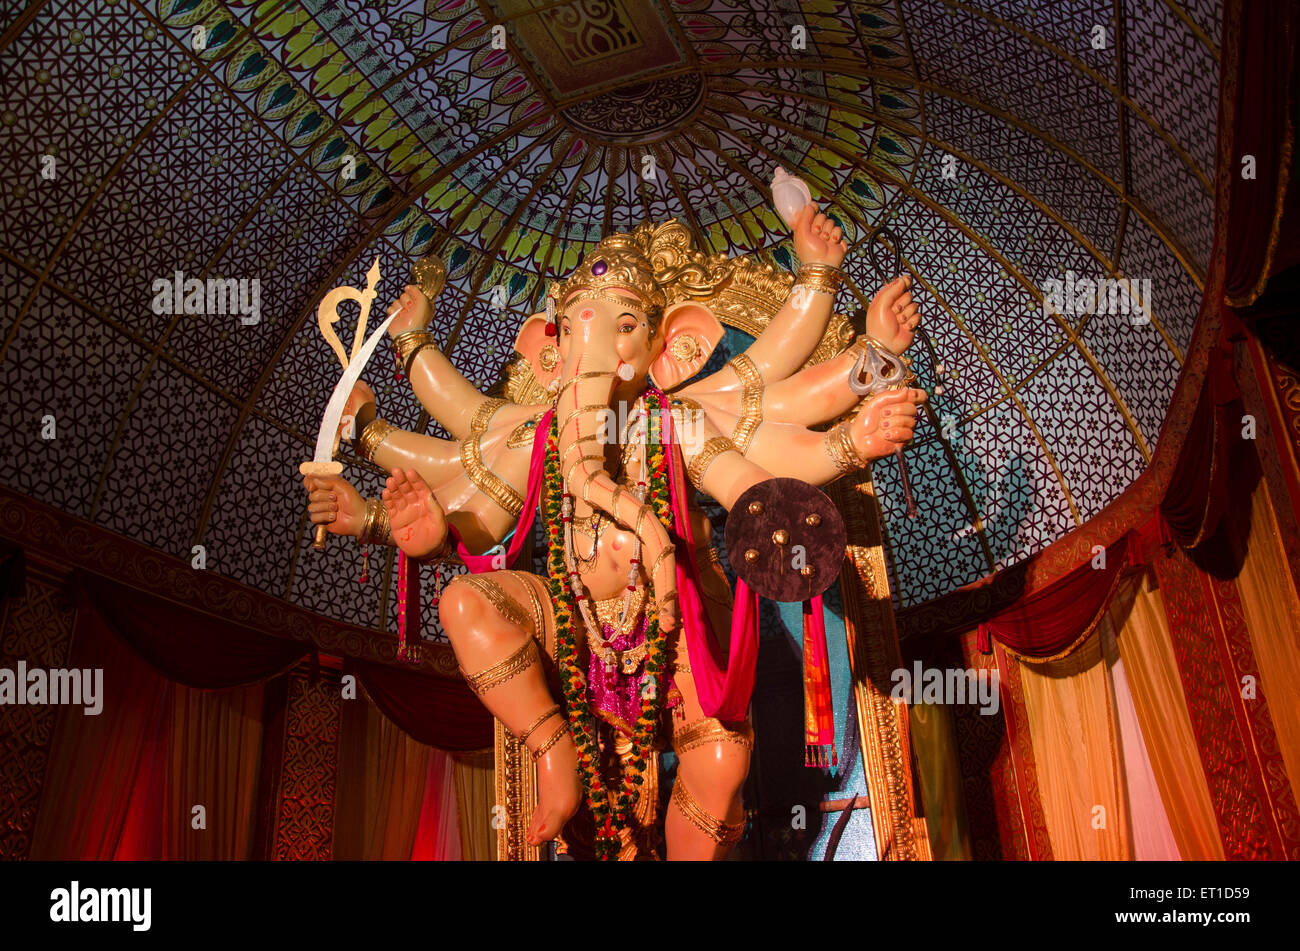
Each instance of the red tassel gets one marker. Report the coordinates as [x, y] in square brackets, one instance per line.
[408, 610]
[819, 715]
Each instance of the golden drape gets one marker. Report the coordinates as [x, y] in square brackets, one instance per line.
[1268, 598]
[214, 762]
[935, 746]
[1075, 735]
[381, 786]
[1142, 632]
[475, 799]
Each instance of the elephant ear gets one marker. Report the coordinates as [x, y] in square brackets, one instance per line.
[539, 349]
[690, 333]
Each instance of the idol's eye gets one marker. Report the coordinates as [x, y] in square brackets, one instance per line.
[626, 323]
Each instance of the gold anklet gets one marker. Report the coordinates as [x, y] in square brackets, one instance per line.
[532, 727]
[561, 730]
[512, 666]
[723, 833]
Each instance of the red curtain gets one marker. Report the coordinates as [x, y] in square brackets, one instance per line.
[436, 711]
[106, 773]
[1052, 621]
[190, 647]
[1198, 487]
[1263, 129]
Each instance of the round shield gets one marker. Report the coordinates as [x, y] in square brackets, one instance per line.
[786, 539]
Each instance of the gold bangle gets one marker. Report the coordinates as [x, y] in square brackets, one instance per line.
[589, 408]
[713, 448]
[820, 277]
[664, 553]
[498, 674]
[532, 727]
[487, 481]
[839, 446]
[375, 528]
[408, 341]
[376, 431]
[484, 414]
[751, 401]
[723, 833]
[561, 730]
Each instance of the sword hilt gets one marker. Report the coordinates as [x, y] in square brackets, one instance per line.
[321, 470]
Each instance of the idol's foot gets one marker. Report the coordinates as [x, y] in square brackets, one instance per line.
[559, 791]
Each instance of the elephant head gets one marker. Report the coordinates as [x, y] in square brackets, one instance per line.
[610, 331]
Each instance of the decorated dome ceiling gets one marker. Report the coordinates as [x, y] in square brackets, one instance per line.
[1006, 144]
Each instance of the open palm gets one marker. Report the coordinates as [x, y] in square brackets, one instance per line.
[418, 521]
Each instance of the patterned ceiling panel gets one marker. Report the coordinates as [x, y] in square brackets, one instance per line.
[1049, 176]
[292, 143]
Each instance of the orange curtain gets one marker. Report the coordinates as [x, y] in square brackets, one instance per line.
[100, 764]
[381, 786]
[475, 797]
[214, 761]
[1268, 598]
[1075, 735]
[1141, 629]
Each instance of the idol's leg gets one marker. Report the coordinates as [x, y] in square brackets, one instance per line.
[495, 622]
[706, 815]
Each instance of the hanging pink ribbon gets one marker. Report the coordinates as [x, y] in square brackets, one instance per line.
[724, 690]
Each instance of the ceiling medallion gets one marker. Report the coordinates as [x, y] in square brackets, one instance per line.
[638, 111]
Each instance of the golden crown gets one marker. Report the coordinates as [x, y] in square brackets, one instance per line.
[655, 262]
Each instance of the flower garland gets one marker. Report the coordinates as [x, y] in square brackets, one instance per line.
[610, 816]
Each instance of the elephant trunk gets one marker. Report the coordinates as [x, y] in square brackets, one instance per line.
[587, 383]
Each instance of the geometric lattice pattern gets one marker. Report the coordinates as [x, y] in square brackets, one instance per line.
[1006, 143]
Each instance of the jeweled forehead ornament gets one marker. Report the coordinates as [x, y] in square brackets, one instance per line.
[618, 270]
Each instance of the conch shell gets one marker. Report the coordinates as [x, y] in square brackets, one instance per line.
[789, 195]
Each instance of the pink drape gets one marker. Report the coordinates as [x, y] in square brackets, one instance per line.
[437, 836]
[724, 692]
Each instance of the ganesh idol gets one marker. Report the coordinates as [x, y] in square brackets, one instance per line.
[630, 643]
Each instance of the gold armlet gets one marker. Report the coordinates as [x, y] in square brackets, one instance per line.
[711, 730]
[487, 481]
[751, 401]
[376, 431]
[713, 448]
[839, 446]
[723, 833]
[498, 674]
[483, 414]
[820, 277]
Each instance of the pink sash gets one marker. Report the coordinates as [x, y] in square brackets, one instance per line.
[724, 691]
